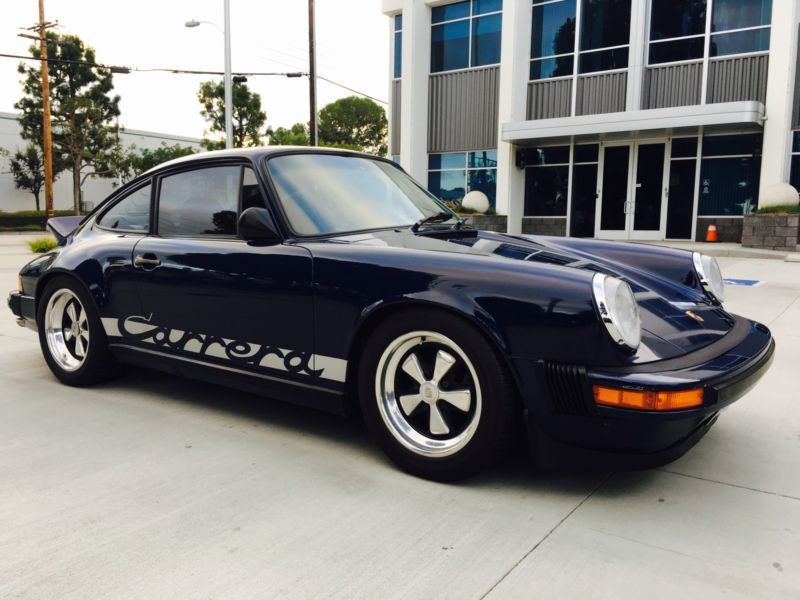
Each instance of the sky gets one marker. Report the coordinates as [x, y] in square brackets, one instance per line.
[267, 35]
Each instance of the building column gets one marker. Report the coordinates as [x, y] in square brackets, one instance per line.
[514, 61]
[776, 153]
[636, 56]
[414, 101]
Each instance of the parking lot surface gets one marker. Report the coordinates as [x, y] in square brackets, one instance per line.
[156, 487]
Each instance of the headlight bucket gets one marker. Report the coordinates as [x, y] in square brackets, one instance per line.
[618, 310]
[709, 275]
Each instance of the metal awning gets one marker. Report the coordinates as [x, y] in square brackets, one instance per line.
[633, 123]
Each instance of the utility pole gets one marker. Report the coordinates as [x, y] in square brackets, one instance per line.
[228, 83]
[47, 142]
[312, 77]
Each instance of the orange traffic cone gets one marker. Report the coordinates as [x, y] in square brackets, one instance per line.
[711, 233]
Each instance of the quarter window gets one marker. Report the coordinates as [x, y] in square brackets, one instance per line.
[131, 213]
[465, 34]
[200, 202]
[452, 175]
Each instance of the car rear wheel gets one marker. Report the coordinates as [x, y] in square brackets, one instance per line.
[436, 396]
[71, 335]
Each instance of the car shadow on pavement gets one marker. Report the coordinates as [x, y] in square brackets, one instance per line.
[515, 471]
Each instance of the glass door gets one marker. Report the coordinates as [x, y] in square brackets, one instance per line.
[631, 191]
[649, 192]
[613, 206]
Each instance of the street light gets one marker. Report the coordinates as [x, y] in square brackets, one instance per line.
[226, 33]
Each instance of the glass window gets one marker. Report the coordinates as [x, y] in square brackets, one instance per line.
[453, 174]
[794, 177]
[481, 7]
[199, 202]
[462, 37]
[585, 153]
[584, 198]
[131, 213]
[486, 40]
[684, 147]
[729, 186]
[448, 12]
[398, 46]
[605, 60]
[608, 23]
[731, 145]
[739, 42]
[796, 142]
[546, 191]
[450, 46]
[545, 68]
[545, 156]
[677, 18]
[737, 14]
[251, 193]
[677, 50]
[553, 29]
[325, 193]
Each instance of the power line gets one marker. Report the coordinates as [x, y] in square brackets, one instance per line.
[126, 70]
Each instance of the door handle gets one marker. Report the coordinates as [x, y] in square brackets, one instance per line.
[148, 260]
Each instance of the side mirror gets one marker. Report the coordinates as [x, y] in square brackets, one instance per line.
[256, 225]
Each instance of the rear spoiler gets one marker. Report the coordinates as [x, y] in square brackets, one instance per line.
[62, 227]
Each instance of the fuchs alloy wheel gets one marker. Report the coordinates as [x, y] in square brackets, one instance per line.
[435, 395]
[71, 335]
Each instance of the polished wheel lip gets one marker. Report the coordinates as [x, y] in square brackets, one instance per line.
[64, 303]
[391, 411]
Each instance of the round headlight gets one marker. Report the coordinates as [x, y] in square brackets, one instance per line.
[710, 275]
[618, 310]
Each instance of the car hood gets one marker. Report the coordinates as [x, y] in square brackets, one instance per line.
[677, 317]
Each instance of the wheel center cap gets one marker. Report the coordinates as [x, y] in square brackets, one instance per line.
[429, 392]
[74, 329]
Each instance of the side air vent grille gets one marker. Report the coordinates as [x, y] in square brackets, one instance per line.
[568, 388]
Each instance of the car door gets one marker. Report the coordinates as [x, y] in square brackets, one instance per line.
[214, 299]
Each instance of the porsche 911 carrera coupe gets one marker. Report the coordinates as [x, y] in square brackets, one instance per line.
[332, 279]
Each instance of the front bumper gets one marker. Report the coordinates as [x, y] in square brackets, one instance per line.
[24, 308]
[568, 430]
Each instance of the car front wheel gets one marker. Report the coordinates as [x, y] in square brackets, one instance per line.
[436, 396]
[71, 335]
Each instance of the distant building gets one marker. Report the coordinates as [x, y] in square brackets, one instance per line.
[94, 190]
[624, 119]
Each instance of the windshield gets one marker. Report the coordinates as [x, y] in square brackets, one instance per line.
[326, 193]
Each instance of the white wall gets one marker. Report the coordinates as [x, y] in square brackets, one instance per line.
[94, 190]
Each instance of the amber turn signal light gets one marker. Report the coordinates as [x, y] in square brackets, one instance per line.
[647, 400]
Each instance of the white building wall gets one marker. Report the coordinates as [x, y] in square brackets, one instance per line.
[95, 189]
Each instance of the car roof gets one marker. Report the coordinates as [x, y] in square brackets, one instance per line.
[250, 153]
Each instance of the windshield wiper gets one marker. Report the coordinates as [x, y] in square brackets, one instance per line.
[439, 217]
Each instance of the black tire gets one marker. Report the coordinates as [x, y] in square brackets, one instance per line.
[495, 406]
[97, 364]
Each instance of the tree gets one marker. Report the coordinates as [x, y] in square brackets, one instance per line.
[296, 135]
[27, 169]
[126, 163]
[248, 118]
[82, 112]
[354, 122]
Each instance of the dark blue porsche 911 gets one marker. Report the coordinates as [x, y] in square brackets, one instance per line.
[332, 279]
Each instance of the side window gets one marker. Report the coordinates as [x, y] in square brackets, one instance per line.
[200, 202]
[132, 213]
[251, 193]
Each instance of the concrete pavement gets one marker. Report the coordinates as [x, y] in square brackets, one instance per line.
[156, 487]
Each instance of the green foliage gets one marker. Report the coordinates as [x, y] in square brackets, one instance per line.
[247, 116]
[131, 162]
[81, 110]
[779, 209]
[42, 244]
[26, 168]
[296, 135]
[354, 123]
[36, 213]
